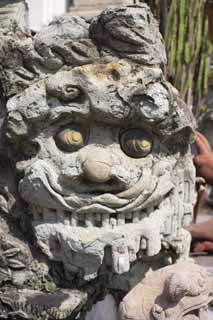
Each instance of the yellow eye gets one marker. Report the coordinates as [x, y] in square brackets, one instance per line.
[144, 145]
[136, 143]
[71, 138]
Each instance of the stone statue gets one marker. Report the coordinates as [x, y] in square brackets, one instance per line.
[97, 177]
[168, 294]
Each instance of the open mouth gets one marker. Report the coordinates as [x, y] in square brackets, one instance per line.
[71, 237]
[94, 207]
[80, 185]
[86, 220]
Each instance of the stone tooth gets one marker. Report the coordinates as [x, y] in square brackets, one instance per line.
[89, 220]
[60, 216]
[98, 216]
[143, 214]
[136, 216]
[121, 219]
[120, 258]
[28, 308]
[167, 226]
[187, 219]
[98, 220]
[39, 212]
[38, 209]
[165, 245]
[137, 242]
[113, 222]
[105, 220]
[74, 219]
[49, 216]
[67, 216]
[143, 245]
[129, 215]
[132, 254]
[36, 214]
[149, 210]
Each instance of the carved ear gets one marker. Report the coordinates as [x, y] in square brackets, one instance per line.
[183, 124]
[184, 119]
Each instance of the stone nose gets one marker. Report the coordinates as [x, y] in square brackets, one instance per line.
[97, 166]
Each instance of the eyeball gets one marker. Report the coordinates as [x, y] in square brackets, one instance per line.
[71, 138]
[136, 143]
[153, 104]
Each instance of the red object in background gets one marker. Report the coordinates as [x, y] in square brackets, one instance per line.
[203, 161]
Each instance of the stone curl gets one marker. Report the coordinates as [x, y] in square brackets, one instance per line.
[68, 41]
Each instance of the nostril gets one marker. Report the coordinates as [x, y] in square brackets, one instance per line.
[97, 171]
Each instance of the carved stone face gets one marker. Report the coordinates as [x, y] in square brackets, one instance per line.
[106, 167]
[101, 170]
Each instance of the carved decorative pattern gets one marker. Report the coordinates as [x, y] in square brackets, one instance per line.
[98, 146]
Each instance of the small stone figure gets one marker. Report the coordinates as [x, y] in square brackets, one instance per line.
[181, 291]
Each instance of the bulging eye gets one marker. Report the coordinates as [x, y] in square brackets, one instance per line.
[136, 143]
[71, 138]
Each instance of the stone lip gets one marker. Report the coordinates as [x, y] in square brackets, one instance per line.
[129, 205]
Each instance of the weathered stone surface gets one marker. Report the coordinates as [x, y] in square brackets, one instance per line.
[104, 310]
[13, 16]
[99, 195]
[127, 35]
[97, 143]
[32, 304]
[181, 291]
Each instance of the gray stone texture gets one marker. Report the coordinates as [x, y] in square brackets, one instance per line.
[13, 16]
[99, 179]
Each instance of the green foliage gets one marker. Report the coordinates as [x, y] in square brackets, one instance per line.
[188, 47]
